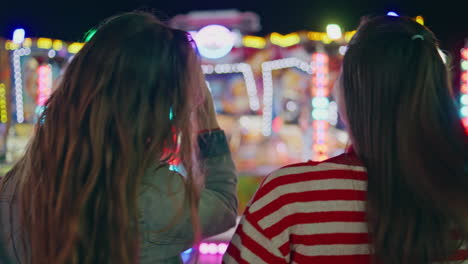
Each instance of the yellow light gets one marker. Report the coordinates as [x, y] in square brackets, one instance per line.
[286, 40]
[3, 104]
[9, 45]
[326, 39]
[44, 43]
[254, 42]
[57, 45]
[75, 47]
[317, 36]
[420, 20]
[27, 43]
[349, 35]
[334, 31]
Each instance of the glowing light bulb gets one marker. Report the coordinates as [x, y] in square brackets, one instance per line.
[334, 31]
[391, 13]
[18, 36]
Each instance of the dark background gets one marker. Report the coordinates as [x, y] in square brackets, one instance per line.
[68, 20]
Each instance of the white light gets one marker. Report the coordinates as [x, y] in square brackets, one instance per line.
[443, 56]
[333, 113]
[391, 13]
[464, 111]
[212, 249]
[214, 41]
[244, 121]
[208, 69]
[320, 114]
[51, 53]
[320, 102]
[18, 87]
[334, 31]
[342, 50]
[342, 136]
[18, 36]
[464, 99]
[246, 70]
[203, 248]
[291, 106]
[222, 247]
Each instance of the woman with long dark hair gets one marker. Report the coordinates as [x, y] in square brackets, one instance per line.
[400, 194]
[95, 185]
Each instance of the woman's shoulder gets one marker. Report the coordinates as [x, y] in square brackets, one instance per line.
[345, 166]
[341, 177]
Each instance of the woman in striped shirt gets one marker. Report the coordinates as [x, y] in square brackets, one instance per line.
[401, 195]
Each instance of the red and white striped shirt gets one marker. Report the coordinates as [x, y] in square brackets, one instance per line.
[313, 212]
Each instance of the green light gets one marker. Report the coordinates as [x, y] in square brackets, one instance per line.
[89, 35]
[464, 65]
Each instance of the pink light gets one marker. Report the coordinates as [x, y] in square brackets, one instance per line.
[213, 248]
[222, 247]
[203, 248]
[44, 83]
[320, 88]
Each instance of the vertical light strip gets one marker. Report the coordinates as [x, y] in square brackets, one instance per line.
[44, 84]
[320, 105]
[3, 104]
[18, 84]
[464, 87]
[267, 68]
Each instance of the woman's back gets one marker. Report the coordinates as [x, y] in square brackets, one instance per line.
[395, 97]
[94, 185]
[312, 212]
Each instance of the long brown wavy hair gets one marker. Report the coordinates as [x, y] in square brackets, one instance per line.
[127, 101]
[405, 127]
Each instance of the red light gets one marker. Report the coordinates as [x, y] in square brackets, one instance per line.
[464, 88]
[277, 124]
[464, 77]
[465, 122]
[464, 53]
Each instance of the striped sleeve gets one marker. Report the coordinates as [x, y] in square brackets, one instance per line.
[250, 245]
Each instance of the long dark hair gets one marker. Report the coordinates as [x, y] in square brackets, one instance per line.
[127, 102]
[405, 127]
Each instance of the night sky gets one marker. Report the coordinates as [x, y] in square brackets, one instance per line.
[68, 20]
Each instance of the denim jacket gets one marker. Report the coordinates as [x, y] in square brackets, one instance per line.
[165, 225]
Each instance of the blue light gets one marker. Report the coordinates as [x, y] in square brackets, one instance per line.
[186, 255]
[391, 13]
[18, 35]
